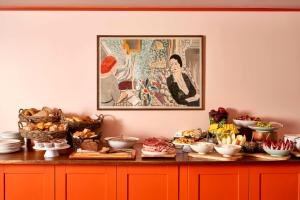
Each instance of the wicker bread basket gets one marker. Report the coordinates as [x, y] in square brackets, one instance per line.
[36, 119]
[79, 126]
[37, 134]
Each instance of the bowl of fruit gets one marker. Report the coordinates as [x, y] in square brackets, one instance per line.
[245, 121]
[266, 126]
[278, 149]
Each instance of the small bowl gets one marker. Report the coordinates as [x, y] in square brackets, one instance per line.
[276, 153]
[244, 123]
[121, 142]
[202, 147]
[293, 137]
[227, 150]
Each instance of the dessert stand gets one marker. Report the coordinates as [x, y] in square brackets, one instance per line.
[51, 152]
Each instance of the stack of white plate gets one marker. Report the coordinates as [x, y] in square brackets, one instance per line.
[9, 145]
[10, 135]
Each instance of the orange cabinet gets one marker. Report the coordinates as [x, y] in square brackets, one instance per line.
[217, 182]
[85, 182]
[147, 182]
[27, 182]
[274, 182]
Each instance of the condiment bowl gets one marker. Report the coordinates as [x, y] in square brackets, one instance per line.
[202, 147]
[227, 150]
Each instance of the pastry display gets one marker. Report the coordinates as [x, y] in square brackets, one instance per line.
[184, 140]
[46, 114]
[86, 133]
[81, 122]
[42, 126]
[74, 118]
[191, 133]
[86, 140]
[158, 146]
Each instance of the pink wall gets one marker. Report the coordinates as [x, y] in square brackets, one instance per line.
[252, 65]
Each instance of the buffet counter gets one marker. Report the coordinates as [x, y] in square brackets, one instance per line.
[30, 156]
[28, 176]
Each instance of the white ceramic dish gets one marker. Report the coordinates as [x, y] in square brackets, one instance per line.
[276, 153]
[9, 141]
[10, 150]
[151, 153]
[10, 135]
[244, 123]
[274, 126]
[227, 150]
[121, 142]
[202, 147]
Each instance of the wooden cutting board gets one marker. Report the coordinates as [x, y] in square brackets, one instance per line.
[130, 155]
[158, 156]
[215, 156]
[264, 156]
[295, 153]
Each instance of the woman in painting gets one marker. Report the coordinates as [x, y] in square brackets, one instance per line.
[179, 84]
[110, 92]
[124, 73]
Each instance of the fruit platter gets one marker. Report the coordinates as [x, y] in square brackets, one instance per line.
[266, 126]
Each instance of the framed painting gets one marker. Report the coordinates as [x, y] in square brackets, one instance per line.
[150, 72]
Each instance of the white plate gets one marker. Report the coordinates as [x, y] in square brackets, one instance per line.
[9, 141]
[10, 150]
[10, 147]
[154, 153]
[266, 129]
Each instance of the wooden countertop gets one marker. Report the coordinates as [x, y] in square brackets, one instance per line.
[37, 157]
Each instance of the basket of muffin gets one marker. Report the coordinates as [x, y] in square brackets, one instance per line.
[42, 124]
[45, 114]
[84, 131]
[78, 123]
